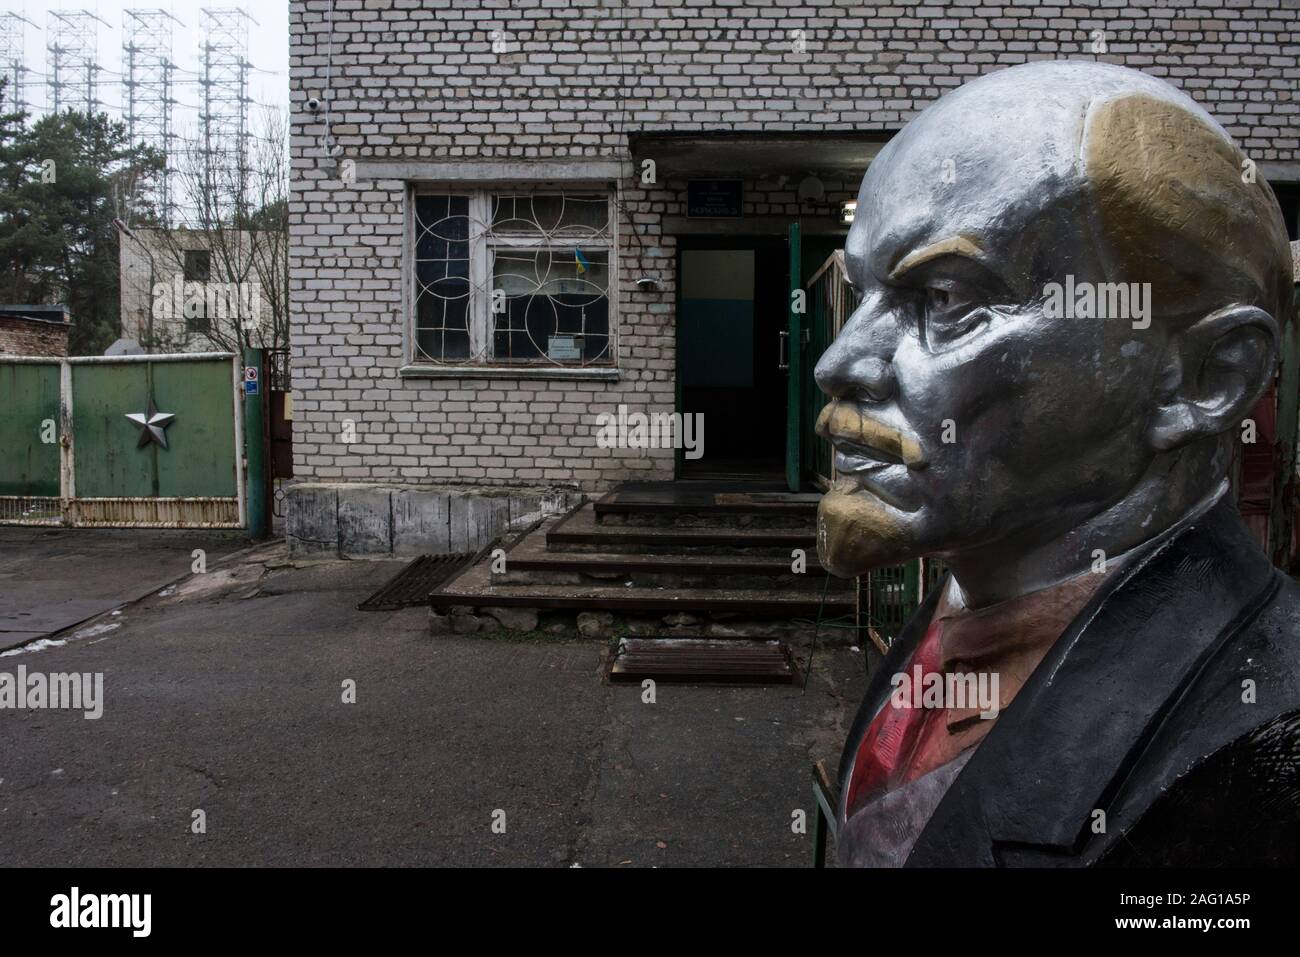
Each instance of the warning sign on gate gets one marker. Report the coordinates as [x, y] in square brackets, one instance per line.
[250, 380]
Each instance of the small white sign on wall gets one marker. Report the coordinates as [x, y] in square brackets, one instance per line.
[564, 348]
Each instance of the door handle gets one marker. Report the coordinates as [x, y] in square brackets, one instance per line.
[783, 354]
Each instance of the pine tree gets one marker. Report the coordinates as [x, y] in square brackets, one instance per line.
[66, 178]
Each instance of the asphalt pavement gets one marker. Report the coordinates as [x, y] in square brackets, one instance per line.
[54, 578]
[252, 716]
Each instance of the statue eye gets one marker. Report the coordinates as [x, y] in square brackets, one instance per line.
[936, 298]
[948, 314]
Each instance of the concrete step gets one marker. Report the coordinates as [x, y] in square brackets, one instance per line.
[475, 588]
[481, 601]
[580, 531]
[605, 625]
[690, 504]
[479, 587]
[573, 576]
[531, 562]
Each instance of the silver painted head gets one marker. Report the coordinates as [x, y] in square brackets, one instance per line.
[1072, 285]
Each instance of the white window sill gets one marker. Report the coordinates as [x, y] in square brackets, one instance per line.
[563, 373]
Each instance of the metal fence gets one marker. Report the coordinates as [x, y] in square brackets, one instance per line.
[891, 595]
[130, 441]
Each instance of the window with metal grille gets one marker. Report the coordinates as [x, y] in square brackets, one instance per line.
[514, 277]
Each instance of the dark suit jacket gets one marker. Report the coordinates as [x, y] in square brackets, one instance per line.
[1137, 711]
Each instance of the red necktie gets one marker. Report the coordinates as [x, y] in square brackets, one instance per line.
[896, 735]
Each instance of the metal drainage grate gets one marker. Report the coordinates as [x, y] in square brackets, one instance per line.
[726, 661]
[412, 585]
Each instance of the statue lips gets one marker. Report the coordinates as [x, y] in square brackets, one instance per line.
[867, 441]
[862, 520]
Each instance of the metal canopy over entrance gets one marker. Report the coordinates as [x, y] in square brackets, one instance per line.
[757, 215]
[705, 155]
[140, 441]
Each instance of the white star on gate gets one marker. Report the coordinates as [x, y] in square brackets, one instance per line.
[152, 424]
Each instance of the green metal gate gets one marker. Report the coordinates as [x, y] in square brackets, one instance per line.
[140, 441]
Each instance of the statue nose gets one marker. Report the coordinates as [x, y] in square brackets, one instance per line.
[842, 375]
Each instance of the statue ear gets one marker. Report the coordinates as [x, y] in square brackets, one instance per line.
[1216, 370]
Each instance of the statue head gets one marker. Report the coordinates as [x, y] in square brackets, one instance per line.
[1072, 284]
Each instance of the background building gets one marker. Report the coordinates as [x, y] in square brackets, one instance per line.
[27, 330]
[186, 290]
[512, 218]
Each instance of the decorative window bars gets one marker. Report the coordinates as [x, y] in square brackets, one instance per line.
[514, 277]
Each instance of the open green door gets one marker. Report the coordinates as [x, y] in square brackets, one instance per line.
[797, 304]
[812, 326]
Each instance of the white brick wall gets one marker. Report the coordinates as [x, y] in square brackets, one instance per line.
[419, 81]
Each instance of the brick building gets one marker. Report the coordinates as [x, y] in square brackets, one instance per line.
[34, 330]
[510, 218]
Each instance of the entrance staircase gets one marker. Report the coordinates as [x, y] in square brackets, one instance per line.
[656, 559]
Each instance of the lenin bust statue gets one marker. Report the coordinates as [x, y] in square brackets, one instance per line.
[1072, 293]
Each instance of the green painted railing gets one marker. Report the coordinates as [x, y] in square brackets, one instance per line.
[891, 595]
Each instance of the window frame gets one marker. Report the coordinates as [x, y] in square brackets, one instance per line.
[480, 320]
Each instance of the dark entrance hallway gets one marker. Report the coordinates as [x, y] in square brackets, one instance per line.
[731, 311]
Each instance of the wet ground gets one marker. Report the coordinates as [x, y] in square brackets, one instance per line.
[309, 733]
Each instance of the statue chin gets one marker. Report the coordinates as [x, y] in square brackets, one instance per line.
[857, 532]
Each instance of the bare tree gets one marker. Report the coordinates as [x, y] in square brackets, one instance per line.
[271, 221]
[220, 274]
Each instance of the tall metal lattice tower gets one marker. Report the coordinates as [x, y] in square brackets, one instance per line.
[149, 83]
[73, 51]
[223, 113]
[13, 42]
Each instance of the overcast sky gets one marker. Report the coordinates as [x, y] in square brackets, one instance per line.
[268, 49]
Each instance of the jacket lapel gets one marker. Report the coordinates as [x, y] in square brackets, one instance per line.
[1065, 744]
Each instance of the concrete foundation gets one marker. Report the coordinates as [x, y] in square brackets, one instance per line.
[364, 520]
[605, 626]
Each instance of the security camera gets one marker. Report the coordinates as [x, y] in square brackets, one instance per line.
[314, 104]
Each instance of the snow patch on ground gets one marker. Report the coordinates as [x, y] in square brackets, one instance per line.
[100, 629]
[42, 644]
[39, 645]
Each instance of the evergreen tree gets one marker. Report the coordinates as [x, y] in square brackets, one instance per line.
[66, 178]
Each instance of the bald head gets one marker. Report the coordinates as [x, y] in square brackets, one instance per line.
[1029, 426]
[1081, 168]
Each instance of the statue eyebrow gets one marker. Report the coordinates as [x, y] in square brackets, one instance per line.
[952, 246]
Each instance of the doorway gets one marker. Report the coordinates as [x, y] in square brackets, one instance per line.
[731, 310]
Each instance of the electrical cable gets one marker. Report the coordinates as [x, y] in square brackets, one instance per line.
[327, 137]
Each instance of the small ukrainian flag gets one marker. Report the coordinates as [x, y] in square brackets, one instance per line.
[580, 261]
